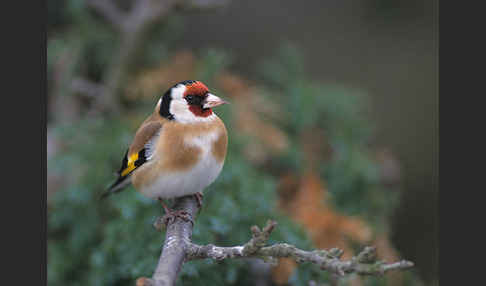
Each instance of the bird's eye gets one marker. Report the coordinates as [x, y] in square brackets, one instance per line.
[190, 98]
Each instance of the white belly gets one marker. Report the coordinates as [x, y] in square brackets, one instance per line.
[180, 184]
[183, 183]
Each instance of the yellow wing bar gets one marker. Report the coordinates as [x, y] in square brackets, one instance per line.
[130, 165]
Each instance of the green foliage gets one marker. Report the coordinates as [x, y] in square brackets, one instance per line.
[351, 174]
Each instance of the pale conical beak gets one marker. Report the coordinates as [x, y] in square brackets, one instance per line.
[212, 101]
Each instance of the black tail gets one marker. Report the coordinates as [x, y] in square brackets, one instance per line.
[117, 186]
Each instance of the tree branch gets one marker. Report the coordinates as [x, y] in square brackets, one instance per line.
[134, 34]
[134, 26]
[364, 263]
[179, 249]
[109, 11]
[177, 238]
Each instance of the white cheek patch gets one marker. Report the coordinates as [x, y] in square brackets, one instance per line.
[180, 109]
[178, 105]
[178, 92]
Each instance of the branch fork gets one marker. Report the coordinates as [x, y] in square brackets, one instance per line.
[179, 249]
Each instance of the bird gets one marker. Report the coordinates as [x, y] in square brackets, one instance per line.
[179, 150]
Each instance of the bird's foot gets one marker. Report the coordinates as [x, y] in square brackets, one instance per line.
[199, 197]
[170, 216]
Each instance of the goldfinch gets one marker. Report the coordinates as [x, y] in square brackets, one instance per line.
[179, 149]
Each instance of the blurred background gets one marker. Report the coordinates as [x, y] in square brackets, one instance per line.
[333, 132]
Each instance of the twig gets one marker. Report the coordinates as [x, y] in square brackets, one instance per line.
[178, 249]
[133, 27]
[134, 34]
[109, 10]
[326, 260]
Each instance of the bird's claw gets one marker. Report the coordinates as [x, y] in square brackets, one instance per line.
[170, 216]
[199, 198]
